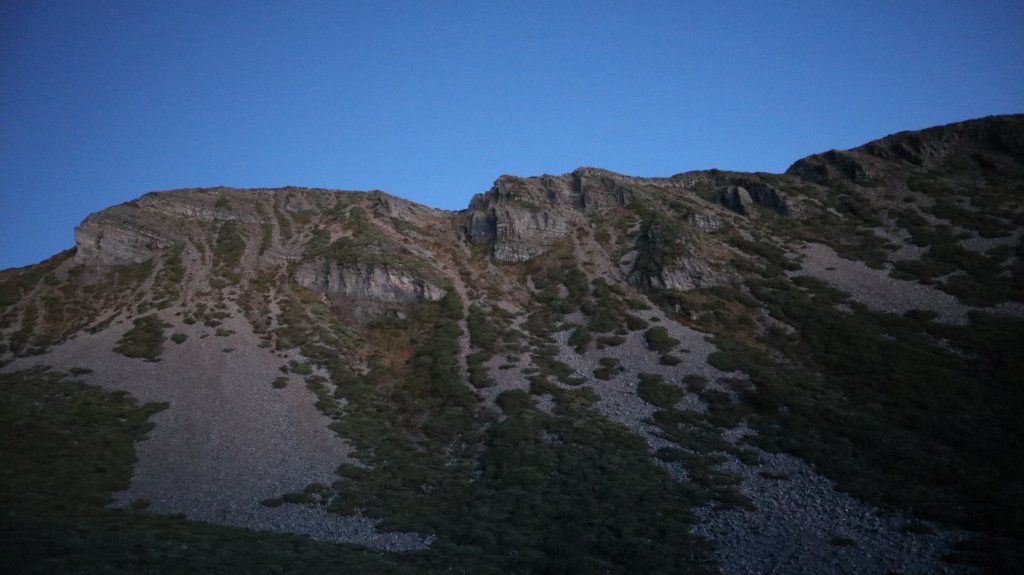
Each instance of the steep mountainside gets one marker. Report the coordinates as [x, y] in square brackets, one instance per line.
[816, 371]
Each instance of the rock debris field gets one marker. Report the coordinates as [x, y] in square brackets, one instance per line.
[800, 523]
[228, 440]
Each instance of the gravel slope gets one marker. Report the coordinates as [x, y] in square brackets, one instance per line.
[229, 439]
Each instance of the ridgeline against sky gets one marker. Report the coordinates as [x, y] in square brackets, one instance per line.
[432, 101]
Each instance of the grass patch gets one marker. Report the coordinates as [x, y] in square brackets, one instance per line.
[580, 339]
[300, 367]
[653, 389]
[228, 249]
[659, 340]
[40, 411]
[610, 367]
[168, 278]
[669, 359]
[16, 282]
[144, 340]
[604, 341]
[634, 323]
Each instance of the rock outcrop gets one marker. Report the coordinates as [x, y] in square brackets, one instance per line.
[706, 223]
[832, 166]
[683, 274]
[744, 195]
[119, 235]
[137, 230]
[520, 218]
[377, 283]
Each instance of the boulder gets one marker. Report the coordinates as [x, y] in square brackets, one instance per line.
[744, 195]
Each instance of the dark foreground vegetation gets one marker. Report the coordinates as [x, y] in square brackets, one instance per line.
[67, 446]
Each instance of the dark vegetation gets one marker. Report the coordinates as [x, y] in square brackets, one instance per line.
[64, 301]
[879, 404]
[609, 368]
[40, 411]
[53, 492]
[488, 333]
[658, 244]
[144, 340]
[659, 340]
[978, 279]
[228, 249]
[440, 463]
[363, 244]
[947, 410]
[669, 360]
[902, 412]
[653, 389]
[16, 283]
[167, 282]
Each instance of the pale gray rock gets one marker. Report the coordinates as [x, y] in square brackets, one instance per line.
[706, 223]
[117, 238]
[520, 217]
[686, 274]
[365, 281]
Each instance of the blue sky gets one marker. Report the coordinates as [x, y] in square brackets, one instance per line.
[101, 102]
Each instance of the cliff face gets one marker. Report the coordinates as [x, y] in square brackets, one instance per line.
[135, 232]
[365, 281]
[520, 218]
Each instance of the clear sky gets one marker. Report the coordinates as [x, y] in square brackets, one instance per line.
[101, 102]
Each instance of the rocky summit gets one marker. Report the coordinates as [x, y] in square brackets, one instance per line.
[817, 371]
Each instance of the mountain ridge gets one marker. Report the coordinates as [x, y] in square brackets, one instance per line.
[510, 386]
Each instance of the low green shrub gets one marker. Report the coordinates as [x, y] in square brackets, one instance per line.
[604, 341]
[659, 340]
[653, 389]
[300, 367]
[634, 323]
[580, 339]
[514, 401]
[144, 340]
[669, 359]
[610, 367]
[695, 383]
